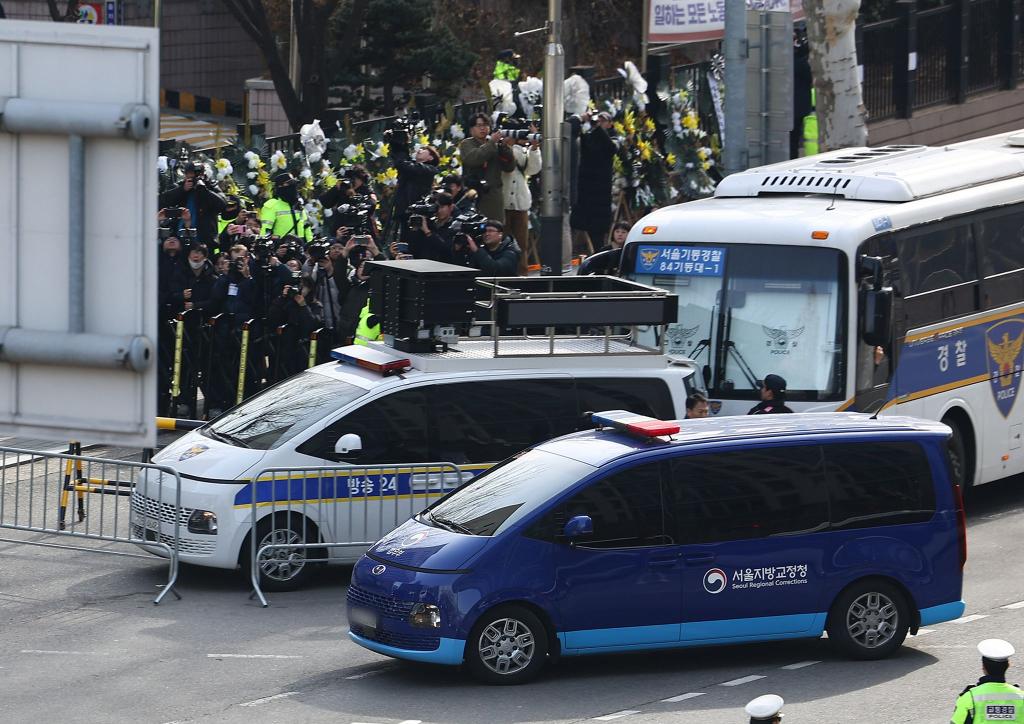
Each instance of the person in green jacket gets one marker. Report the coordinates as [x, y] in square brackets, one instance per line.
[505, 68]
[991, 699]
[283, 215]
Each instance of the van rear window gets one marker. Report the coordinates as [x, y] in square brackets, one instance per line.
[885, 483]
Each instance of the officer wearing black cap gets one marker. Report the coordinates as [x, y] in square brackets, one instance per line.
[765, 709]
[991, 699]
[773, 397]
[505, 68]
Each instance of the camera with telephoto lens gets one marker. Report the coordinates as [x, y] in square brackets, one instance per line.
[422, 209]
[318, 249]
[264, 247]
[467, 224]
[518, 128]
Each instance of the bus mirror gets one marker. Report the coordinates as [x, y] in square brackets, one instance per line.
[705, 372]
[348, 443]
[876, 322]
[578, 525]
[872, 267]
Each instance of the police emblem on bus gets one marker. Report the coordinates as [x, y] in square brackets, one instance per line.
[377, 570]
[715, 580]
[192, 452]
[1005, 344]
[648, 257]
[779, 339]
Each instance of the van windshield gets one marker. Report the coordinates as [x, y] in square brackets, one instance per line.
[505, 493]
[279, 413]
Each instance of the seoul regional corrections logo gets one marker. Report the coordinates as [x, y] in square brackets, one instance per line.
[715, 580]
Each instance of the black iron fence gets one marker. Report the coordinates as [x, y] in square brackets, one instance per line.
[940, 55]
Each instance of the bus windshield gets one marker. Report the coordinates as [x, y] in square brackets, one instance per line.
[749, 310]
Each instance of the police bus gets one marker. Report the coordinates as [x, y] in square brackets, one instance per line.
[874, 279]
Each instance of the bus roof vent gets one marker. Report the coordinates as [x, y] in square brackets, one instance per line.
[888, 173]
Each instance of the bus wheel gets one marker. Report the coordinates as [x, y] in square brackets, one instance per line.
[869, 620]
[281, 569]
[958, 460]
[508, 645]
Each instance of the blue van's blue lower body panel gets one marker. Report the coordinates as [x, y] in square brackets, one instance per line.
[450, 651]
[666, 636]
[944, 612]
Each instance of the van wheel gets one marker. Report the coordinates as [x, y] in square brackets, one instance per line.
[281, 569]
[508, 645]
[869, 620]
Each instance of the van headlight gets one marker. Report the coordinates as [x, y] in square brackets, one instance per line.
[425, 615]
[203, 521]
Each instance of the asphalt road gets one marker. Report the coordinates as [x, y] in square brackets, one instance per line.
[81, 641]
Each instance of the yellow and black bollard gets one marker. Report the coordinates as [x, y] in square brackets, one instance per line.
[74, 448]
[243, 356]
[312, 347]
[179, 343]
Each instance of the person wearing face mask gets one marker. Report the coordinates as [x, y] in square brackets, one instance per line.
[283, 215]
[194, 283]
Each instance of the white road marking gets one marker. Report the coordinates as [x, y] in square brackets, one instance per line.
[63, 653]
[968, 619]
[742, 680]
[799, 665]
[371, 672]
[684, 697]
[923, 631]
[250, 656]
[266, 699]
[1019, 604]
[616, 715]
[411, 721]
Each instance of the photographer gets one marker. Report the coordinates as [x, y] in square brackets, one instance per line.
[415, 177]
[497, 254]
[465, 199]
[193, 286]
[297, 308]
[283, 214]
[432, 238]
[235, 294]
[352, 205]
[204, 204]
[518, 199]
[484, 157]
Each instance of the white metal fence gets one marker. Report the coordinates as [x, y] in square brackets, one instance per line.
[76, 502]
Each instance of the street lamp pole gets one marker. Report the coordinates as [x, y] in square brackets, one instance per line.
[553, 149]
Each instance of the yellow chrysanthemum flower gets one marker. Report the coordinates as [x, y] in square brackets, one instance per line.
[670, 159]
[619, 129]
[648, 125]
[691, 121]
[703, 153]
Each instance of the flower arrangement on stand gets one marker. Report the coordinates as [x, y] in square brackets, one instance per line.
[690, 154]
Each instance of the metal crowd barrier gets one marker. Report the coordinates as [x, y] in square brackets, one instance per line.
[115, 501]
[299, 514]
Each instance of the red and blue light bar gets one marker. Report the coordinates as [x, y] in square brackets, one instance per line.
[633, 424]
[374, 360]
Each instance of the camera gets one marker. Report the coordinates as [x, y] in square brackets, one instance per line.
[518, 128]
[399, 133]
[318, 249]
[263, 247]
[422, 209]
[467, 224]
[294, 288]
[356, 214]
[174, 212]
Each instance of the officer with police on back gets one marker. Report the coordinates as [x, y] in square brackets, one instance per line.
[991, 699]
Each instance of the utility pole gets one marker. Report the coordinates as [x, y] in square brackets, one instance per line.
[293, 52]
[734, 155]
[553, 151]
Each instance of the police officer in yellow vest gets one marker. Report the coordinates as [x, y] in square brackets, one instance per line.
[368, 329]
[283, 214]
[505, 68]
[991, 699]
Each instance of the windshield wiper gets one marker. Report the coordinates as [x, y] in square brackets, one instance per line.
[227, 437]
[451, 525]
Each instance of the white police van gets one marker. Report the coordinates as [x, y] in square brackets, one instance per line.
[470, 405]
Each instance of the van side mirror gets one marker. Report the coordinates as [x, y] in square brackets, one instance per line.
[876, 322]
[348, 443]
[577, 526]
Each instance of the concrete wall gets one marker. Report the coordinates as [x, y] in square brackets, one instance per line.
[202, 49]
[982, 115]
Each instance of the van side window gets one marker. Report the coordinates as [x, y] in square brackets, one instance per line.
[485, 421]
[643, 396]
[742, 494]
[626, 508]
[393, 429]
[878, 483]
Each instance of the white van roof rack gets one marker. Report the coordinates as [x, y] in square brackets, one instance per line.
[896, 173]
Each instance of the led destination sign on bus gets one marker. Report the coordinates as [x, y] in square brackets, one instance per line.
[691, 261]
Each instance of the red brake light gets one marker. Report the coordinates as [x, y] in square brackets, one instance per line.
[961, 521]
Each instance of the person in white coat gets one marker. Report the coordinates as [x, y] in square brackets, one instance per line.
[516, 188]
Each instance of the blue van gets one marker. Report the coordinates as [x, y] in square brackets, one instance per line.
[643, 534]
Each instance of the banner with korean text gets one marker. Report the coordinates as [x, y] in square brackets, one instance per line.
[691, 21]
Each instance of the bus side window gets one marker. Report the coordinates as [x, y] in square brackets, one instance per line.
[1001, 246]
[940, 272]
